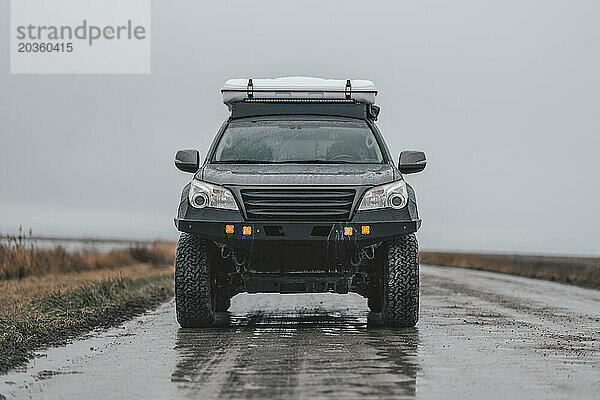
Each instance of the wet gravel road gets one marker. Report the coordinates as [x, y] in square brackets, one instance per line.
[481, 335]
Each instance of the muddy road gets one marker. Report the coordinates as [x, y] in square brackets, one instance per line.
[481, 335]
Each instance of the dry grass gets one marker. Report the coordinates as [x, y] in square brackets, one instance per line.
[20, 258]
[17, 293]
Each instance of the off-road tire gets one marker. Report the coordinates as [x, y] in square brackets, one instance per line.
[194, 294]
[400, 306]
[223, 302]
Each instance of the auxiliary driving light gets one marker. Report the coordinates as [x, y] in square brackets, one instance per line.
[228, 228]
[347, 231]
[365, 230]
[247, 230]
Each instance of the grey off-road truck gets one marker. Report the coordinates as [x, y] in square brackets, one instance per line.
[298, 194]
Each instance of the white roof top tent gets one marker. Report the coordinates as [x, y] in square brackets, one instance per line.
[299, 87]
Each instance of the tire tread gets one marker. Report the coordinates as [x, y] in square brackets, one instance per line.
[401, 282]
[193, 297]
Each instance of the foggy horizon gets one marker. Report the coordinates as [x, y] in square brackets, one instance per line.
[503, 98]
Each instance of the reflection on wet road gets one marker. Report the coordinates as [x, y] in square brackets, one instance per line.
[481, 335]
[322, 350]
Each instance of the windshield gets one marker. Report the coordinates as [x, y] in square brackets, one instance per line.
[300, 141]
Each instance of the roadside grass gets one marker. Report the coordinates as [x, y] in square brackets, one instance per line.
[20, 257]
[38, 312]
[582, 271]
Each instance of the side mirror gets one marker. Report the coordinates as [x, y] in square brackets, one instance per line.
[412, 161]
[187, 160]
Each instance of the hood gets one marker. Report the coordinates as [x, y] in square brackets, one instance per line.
[297, 174]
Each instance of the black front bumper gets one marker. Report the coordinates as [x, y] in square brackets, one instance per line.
[300, 246]
[298, 231]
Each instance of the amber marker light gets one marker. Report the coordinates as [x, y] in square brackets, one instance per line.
[347, 231]
[365, 229]
[228, 228]
[247, 230]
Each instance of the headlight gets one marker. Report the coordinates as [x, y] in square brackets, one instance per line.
[204, 194]
[392, 195]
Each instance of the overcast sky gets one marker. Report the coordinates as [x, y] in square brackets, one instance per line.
[503, 96]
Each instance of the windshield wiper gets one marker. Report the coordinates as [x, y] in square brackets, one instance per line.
[314, 162]
[244, 161]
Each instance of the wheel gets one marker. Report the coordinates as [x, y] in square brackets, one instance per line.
[223, 302]
[194, 283]
[400, 306]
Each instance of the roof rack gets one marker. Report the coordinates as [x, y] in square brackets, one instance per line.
[245, 109]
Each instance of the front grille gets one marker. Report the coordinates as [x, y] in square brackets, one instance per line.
[298, 204]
